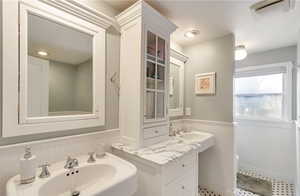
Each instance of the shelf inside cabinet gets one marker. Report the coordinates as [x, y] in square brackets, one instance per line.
[153, 79]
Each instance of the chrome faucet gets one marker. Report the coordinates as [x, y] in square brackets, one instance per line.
[45, 171]
[172, 131]
[71, 163]
[91, 157]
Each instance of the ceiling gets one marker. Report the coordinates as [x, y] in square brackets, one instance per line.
[215, 18]
[62, 43]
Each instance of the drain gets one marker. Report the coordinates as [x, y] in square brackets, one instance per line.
[75, 193]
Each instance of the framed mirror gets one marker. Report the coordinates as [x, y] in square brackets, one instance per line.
[176, 83]
[61, 80]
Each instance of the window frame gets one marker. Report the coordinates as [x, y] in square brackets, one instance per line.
[267, 69]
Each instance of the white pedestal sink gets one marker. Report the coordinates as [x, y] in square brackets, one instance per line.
[108, 176]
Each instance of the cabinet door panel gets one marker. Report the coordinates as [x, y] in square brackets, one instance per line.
[160, 77]
[155, 82]
[160, 106]
[174, 189]
[161, 50]
[149, 106]
[150, 75]
[151, 45]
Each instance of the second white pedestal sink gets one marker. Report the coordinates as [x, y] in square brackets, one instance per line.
[108, 176]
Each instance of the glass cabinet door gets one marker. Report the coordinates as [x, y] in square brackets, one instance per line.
[154, 107]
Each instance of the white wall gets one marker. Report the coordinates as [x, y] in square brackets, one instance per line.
[38, 87]
[268, 148]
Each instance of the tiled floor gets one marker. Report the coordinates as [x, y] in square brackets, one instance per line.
[280, 188]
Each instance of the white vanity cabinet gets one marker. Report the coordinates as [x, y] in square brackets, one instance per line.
[176, 178]
[181, 176]
[145, 37]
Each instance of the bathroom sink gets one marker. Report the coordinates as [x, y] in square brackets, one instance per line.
[196, 137]
[108, 176]
[202, 139]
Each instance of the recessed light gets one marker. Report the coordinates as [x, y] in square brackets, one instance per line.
[42, 53]
[191, 33]
[240, 52]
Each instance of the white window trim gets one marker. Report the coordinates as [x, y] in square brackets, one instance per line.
[287, 88]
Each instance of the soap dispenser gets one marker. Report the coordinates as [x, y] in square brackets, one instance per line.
[27, 167]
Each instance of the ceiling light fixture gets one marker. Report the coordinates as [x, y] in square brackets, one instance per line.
[191, 33]
[42, 53]
[240, 52]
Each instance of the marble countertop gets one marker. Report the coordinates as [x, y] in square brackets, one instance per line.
[164, 152]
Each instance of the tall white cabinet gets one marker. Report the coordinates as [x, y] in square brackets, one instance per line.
[145, 45]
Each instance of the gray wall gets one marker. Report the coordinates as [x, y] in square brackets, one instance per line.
[84, 87]
[70, 87]
[275, 56]
[62, 78]
[112, 99]
[212, 56]
[270, 56]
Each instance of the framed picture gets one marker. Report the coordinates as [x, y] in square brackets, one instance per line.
[205, 84]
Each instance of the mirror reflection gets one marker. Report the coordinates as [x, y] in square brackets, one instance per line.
[60, 79]
[174, 86]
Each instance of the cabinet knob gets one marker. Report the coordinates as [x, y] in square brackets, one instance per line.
[182, 187]
[156, 131]
[183, 165]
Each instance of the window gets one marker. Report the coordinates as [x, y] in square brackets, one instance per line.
[263, 93]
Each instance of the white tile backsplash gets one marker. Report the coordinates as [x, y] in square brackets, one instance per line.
[52, 150]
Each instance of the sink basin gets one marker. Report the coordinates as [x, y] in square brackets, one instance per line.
[108, 176]
[202, 139]
[194, 136]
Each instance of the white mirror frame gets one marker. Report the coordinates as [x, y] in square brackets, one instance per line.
[179, 60]
[14, 96]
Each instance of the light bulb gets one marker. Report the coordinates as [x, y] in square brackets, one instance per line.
[42, 53]
[191, 33]
[240, 52]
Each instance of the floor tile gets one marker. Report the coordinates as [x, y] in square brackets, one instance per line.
[279, 187]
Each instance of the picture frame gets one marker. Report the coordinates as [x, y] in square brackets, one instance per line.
[205, 83]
